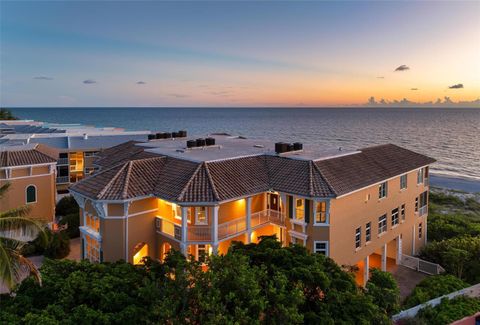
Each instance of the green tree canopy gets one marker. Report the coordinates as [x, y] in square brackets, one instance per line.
[432, 287]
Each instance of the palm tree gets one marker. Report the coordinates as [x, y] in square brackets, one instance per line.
[16, 230]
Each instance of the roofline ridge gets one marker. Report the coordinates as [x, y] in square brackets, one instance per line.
[114, 178]
[182, 193]
[127, 179]
[212, 184]
[325, 179]
[310, 178]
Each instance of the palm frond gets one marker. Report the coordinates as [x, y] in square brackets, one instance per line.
[17, 212]
[21, 228]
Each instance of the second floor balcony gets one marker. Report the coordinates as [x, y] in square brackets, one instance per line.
[226, 230]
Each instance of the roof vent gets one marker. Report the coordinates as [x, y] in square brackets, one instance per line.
[151, 137]
[201, 142]
[191, 143]
[210, 141]
[297, 146]
[85, 136]
[281, 147]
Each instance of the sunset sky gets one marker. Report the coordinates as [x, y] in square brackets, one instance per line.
[237, 53]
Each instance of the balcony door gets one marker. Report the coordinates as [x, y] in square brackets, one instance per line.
[273, 202]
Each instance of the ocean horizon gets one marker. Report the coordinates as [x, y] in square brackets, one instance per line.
[450, 135]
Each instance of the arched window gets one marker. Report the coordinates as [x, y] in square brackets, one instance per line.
[31, 194]
[140, 251]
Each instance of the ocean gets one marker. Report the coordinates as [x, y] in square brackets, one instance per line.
[450, 135]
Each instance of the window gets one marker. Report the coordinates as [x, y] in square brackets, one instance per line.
[420, 175]
[202, 253]
[368, 232]
[201, 216]
[394, 217]
[416, 204]
[92, 222]
[402, 212]
[423, 199]
[320, 247]
[321, 212]
[31, 194]
[382, 190]
[382, 224]
[92, 249]
[91, 153]
[300, 209]
[420, 230]
[403, 182]
[358, 237]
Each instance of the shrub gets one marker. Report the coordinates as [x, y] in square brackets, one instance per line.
[384, 291]
[58, 245]
[442, 227]
[449, 311]
[433, 287]
[73, 222]
[459, 256]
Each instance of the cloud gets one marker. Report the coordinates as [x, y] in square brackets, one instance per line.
[42, 78]
[141, 83]
[446, 102]
[403, 67]
[89, 81]
[414, 89]
[381, 77]
[457, 86]
[178, 95]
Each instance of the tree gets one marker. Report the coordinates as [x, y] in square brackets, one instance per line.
[432, 287]
[252, 284]
[68, 212]
[459, 256]
[16, 230]
[384, 291]
[5, 114]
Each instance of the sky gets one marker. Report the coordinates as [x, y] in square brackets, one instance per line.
[227, 53]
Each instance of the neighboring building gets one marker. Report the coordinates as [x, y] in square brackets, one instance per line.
[30, 170]
[359, 207]
[78, 145]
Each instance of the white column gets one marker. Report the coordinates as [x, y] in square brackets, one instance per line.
[366, 270]
[294, 207]
[183, 244]
[215, 229]
[384, 257]
[399, 249]
[413, 240]
[248, 208]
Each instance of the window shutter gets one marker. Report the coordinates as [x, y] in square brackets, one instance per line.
[307, 210]
[290, 206]
[83, 248]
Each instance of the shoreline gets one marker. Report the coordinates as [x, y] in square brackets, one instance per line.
[453, 183]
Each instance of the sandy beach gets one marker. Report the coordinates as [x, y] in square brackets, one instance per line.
[458, 184]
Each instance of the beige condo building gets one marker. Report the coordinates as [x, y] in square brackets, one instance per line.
[365, 207]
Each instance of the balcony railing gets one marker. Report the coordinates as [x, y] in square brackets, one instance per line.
[62, 161]
[425, 181]
[232, 228]
[63, 179]
[169, 228]
[199, 233]
[423, 210]
[225, 230]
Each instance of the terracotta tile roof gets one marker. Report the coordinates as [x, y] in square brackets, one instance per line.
[233, 178]
[19, 157]
[374, 164]
[125, 181]
[182, 180]
[122, 153]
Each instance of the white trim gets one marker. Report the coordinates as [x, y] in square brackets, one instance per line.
[90, 232]
[22, 177]
[327, 246]
[385, 180]
[26, 194]
[27, 166]
[327, 213]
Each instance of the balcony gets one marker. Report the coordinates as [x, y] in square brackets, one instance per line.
[423, 210]
[169, 228]
[63, 179]
[225, 230]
